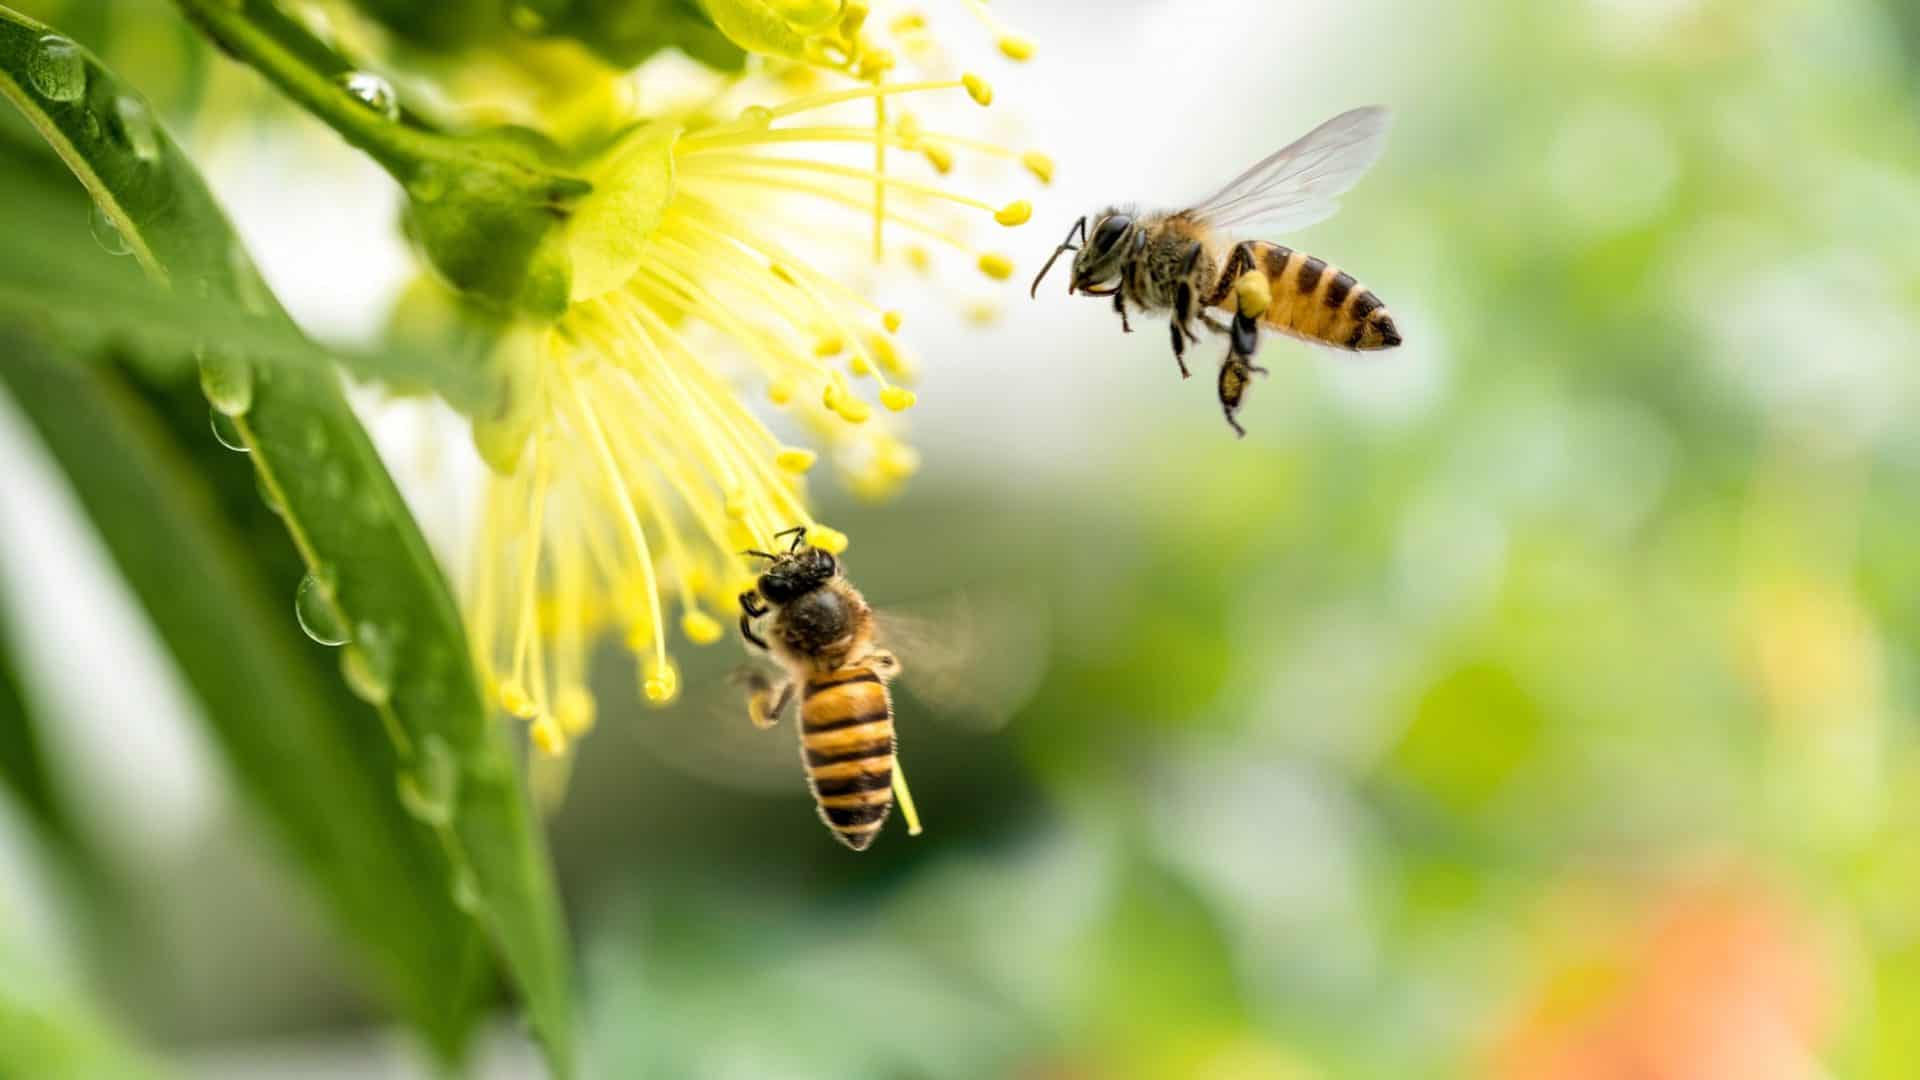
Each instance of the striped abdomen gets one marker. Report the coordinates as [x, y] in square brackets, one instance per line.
[1320, 302]
[846, 740]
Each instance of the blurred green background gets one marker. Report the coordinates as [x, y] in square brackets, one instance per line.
[1534, 701]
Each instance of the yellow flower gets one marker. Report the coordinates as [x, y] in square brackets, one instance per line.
[633, 464]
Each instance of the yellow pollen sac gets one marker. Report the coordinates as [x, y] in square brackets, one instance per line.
[853, 410]
[1015, 47]
[907, 23]
[897, 460]
[858, 365]
[898, 398]
[997, 267]
[826, 538]
[1039, 164]
[659, 681]
[575, 710]
[700, 627]
[515, 699]
[977, 89]
[920, 258]
[1254, 293]
[780, 391]
[1018, 212]
[875, 61]
[829, 345]
[907, 127]
[795, 459]
[939, 157]
[548, 736]
[892, 320]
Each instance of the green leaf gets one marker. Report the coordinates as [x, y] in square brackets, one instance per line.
[305, 751]
[373, 579]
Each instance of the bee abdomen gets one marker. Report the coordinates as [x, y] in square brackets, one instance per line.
[1321, 302]
[846, 740]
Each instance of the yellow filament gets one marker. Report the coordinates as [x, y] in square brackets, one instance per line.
[830, 195]
[828, 168]
[905, 795]
[879, 170]
[631, 518]
[821, 101]
[748, 239]
[530, 563]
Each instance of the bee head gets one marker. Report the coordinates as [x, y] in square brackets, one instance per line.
[1099, 258]
[796, 573]
[1098, 255]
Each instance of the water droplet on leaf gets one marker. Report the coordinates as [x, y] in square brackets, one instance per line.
[225, 431]
[137, 128]
[268, 497]
[108, 233]
[319, 616]
[57, 69]
[372, 91]
[368, 664]
[466, 892]
[428, 789]
[227, 380]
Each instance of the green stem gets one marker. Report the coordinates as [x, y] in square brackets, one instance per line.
[258, 34]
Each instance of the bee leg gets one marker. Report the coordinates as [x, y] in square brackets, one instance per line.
[1182, 315]
[1246, 338]
[1238, 262]
[1120, 305]
[1214, 324]
[751, 607]
[884, 664]
[1234, 376]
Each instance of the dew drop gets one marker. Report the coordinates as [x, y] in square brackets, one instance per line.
[466, 893]
[57, 69]
[757, 116]
[333, 482]
[225, 431]
[137, 127]
[89, 124]
[108, 233]
[526, 18]
[372, 91]
[227, 380]
[314, 606]
[268, 497]
[428, 184]
[367, 664]
[427, 790]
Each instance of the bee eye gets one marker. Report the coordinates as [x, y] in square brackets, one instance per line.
[1109, 231]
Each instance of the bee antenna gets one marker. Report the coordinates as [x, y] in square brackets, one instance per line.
[759, 554]
[799, 534]
[1065, 246]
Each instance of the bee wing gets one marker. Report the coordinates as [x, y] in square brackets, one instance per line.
[1301, 183]
[977, 656]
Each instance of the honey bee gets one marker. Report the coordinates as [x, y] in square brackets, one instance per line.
[1182, 262]
[821, 632]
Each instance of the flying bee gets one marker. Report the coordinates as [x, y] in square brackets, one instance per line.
[820, 630]
[1183, 262]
